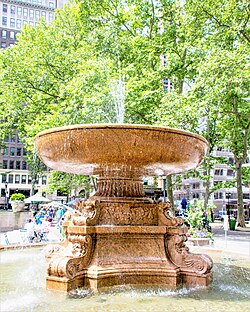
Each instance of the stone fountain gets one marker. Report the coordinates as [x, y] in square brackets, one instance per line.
[119, 236]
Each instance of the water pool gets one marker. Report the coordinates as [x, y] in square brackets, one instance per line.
[23, 289]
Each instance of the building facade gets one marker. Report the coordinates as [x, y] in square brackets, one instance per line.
[223, 198]
[14, 14]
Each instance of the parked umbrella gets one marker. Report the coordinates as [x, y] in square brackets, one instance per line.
[36, 199]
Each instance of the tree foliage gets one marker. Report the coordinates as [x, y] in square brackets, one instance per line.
[67, 72]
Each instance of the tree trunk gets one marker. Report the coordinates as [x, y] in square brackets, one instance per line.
[207, 182]
[240, 207]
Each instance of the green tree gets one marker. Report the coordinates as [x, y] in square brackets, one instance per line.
[66, 183]
[66, 72]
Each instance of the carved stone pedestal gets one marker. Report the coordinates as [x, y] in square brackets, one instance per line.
[125, 242]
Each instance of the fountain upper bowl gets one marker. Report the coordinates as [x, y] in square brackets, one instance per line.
[136, 150]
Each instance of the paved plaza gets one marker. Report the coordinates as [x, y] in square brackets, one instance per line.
[232, 242]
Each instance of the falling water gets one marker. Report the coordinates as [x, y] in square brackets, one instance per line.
[118, 94]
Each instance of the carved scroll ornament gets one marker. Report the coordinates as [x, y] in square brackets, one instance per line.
[179, 254]
[72, 260]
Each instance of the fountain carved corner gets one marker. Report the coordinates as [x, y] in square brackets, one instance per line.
[195, 268]
[68, 262]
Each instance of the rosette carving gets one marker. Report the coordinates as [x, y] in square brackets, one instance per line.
[179, 254]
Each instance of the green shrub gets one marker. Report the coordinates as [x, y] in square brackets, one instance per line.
[17, 197]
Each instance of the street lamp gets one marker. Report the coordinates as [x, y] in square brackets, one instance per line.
[228, 196]
[6, 196]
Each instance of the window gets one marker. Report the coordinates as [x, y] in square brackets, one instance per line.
[17, 178]
[37, 15]
[29, 179]
[51, 17]
[218, 172]
[18, 164]
[19, 11]
[12, 151]
[4, 21]
[31, 14]
[218, 195]
[43, 14]
[3, 45]
[36, 24]
[25, 22]
[44, 180]
[19, 151]
[25, 12]
[231, 160]
[5, 8]
[31, 23]
[5, 164]
[5, 151]
[10, 178]
[18, 23]
[12, 22]
[4, 178]
[13, 138]
[195, 186]
[246, 196]
[23, 179]
[12, 9]
[6, 139]
[4, 34]
[230, 173]
[24, 165]
[12, 35]
[11, 164]
[51, 5]
[24, 152]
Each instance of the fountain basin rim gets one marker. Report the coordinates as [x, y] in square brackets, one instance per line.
[121, 126]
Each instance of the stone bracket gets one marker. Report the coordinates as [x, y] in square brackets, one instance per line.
[70, 261]
[179, 254]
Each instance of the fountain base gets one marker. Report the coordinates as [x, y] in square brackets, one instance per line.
[150, 251]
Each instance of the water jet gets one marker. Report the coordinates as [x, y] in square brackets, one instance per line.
[120, 237]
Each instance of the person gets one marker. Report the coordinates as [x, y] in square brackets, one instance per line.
[30, 228]
[44, 228]
[183, 205]
[59, 214]
[50, 215]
